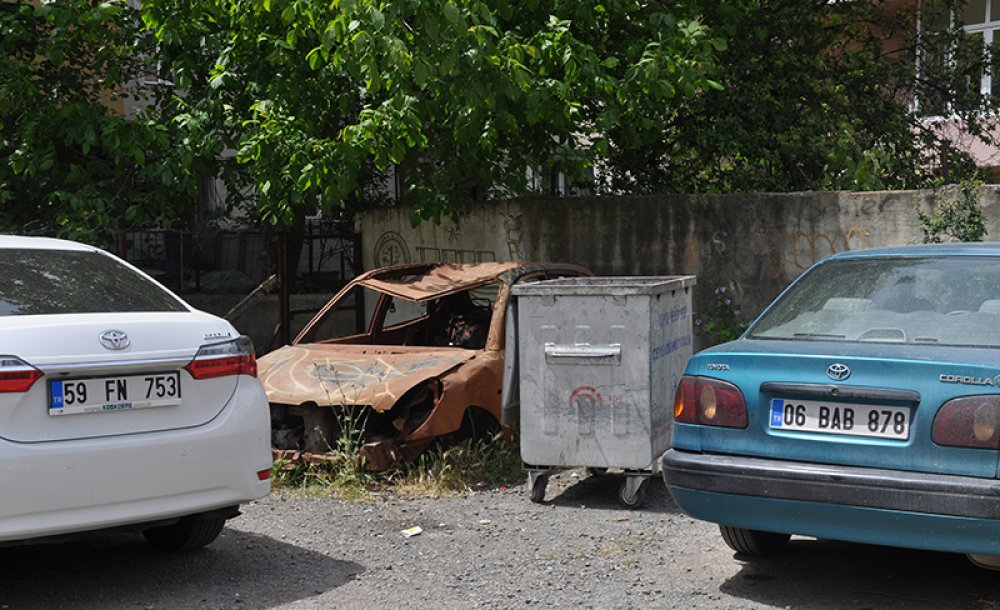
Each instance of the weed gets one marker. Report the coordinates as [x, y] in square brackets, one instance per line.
[460, 468]
[723, 320]
[958, 215]
[339, 470]
[436, 471]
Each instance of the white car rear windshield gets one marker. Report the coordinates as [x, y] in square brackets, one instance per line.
[38, 282]
[932, 301]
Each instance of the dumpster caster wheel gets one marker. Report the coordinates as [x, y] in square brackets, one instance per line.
[632, 493]
[538, 484]
[596, 471]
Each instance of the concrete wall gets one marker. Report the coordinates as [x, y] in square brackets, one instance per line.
[754, 244]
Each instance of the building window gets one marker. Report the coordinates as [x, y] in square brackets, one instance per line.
[958, 72]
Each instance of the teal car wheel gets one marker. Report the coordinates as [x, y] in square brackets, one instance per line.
[754, 542]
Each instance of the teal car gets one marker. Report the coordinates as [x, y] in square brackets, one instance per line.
[863, 405]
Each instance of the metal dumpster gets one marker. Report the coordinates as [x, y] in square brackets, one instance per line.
[597, 362]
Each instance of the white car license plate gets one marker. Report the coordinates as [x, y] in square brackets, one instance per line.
[840, 418]
[101, 394]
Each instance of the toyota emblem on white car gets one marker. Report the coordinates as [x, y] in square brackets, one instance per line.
[115, 339]
[838, 372]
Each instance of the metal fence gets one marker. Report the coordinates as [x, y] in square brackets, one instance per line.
[236, 262]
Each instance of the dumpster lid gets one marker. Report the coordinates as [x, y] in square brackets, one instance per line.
[607, 286]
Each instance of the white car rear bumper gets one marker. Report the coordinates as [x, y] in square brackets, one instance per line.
[63, 487]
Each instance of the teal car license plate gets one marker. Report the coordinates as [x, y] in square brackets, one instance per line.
[840, 418]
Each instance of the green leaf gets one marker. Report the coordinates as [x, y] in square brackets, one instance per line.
[451, 13]
[55, 55]
[447, 65]
[420, 74]
[431, 27]
[331, 35]
[315, 58]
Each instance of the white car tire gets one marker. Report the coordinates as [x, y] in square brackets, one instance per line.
[189, 533]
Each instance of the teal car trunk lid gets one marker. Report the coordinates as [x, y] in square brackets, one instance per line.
[870, 405]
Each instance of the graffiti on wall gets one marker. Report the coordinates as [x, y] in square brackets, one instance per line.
[696, 251]
[795, 251]
[454, 255]
[391, 249]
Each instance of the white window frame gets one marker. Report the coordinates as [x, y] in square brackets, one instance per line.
[988, 28]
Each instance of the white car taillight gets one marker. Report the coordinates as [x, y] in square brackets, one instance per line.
[16, 375]
[234, 357]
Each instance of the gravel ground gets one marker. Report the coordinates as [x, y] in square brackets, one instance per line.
[488, 549]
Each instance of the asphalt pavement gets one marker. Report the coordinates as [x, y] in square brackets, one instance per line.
[491, 548]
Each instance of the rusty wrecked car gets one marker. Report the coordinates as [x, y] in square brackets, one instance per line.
[402, 357]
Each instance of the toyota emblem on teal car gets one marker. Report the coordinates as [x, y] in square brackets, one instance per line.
[838, 372]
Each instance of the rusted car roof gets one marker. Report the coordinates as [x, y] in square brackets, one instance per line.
[418, 283]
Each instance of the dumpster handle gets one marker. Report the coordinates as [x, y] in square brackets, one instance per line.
[583, 354]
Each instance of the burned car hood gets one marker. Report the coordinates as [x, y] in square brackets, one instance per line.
[352, 374]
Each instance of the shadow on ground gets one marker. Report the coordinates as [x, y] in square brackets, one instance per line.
[239, 570]
[601, 492]
[864, 576]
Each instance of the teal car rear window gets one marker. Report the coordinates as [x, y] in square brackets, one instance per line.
[931, 300]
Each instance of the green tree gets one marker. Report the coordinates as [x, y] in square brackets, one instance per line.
[819, 95]
[317, 99]
[300, 104]
[68, 162]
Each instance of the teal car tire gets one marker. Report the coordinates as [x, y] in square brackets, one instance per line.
[753, 542]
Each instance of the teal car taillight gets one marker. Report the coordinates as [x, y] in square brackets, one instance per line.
[969, 421]
[709, 402]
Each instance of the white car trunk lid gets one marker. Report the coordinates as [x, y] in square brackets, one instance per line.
[133, 382]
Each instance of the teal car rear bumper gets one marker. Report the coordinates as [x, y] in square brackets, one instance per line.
[874, 506]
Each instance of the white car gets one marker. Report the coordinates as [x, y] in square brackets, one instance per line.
[120, 405]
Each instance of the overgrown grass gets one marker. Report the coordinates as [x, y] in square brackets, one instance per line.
[469, 465]
[338, 470]
[437, 471]
[333, 474]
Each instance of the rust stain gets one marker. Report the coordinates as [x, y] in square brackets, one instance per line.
[351, 375]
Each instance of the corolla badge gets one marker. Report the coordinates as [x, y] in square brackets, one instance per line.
[838, 372]
[115, 339]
